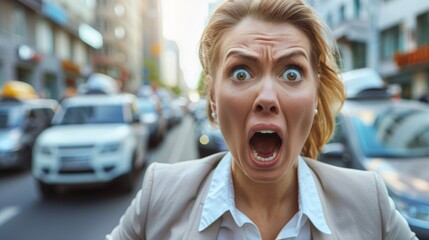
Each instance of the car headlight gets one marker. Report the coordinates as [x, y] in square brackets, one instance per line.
[45, 150]
[11, 141]
[411, 210]
[204, 139]
[110, 147]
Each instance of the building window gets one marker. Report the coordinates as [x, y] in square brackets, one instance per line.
[20, 27]
[103, 3]
[359, 55]
[342, 14]
[71, 49]
[357, 8]
[423, 29]
[391, 42]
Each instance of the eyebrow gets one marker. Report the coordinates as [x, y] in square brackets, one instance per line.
[254, 58]
[241, 54]
[291, 55]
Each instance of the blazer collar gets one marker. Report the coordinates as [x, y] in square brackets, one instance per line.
[211, 231]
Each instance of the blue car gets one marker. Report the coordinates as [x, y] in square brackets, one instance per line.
[391, 137]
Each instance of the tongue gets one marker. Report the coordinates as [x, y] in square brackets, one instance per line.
[264, 144]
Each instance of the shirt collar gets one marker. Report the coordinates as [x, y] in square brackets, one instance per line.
[309, 200]
[220, 196]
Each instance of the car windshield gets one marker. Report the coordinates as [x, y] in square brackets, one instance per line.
[395, 133]
[93, 114]
[10, 116]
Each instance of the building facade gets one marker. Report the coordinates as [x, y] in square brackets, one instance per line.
[390, 36]
[41, 44]
[121, 24]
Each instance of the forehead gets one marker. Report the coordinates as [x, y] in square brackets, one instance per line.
[257, 35]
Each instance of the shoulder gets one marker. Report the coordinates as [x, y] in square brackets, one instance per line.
[350, 188]
[178, 183]
[183, 171]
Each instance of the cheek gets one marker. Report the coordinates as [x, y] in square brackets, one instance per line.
[299, 114]
[232, 106]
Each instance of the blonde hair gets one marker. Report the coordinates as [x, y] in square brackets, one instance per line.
[331, 93]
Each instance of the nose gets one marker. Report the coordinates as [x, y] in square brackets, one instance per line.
[266, 100]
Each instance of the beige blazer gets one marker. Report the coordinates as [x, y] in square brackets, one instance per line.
[355, 203]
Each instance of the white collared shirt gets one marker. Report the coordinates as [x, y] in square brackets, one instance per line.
[220, 203]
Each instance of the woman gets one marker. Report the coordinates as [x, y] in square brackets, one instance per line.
[274, 91]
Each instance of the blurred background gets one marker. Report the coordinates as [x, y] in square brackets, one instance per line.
[92, 91]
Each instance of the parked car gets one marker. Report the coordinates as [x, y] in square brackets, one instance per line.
[390, 137]
[93, 139]
[151, 115]
[209, 138]
[23, 116]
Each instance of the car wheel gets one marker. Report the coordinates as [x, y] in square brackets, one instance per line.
[47, 190]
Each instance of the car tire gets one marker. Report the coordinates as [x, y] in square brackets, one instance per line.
[47, 191]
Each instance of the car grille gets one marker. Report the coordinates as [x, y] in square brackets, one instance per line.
[75, 164]
[75, 158]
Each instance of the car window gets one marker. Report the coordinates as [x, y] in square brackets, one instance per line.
[146, 106]
[11, 116]
[93, 114]
[396, 132]
[40, 117]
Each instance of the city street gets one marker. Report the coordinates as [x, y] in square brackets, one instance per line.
[78, 214]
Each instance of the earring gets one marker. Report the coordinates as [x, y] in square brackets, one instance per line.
[213, 115]
[316, 111]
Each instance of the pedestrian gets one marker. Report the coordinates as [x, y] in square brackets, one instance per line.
[274, 91]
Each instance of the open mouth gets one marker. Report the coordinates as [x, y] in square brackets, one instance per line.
[265, 145]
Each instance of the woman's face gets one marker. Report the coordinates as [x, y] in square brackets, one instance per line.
[264, 94]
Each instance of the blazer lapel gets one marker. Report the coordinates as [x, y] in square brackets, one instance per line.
[191, 232]
[315, 233]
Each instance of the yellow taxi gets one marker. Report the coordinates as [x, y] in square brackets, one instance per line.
[23, 116]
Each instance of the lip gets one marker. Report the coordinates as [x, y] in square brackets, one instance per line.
[260, 127]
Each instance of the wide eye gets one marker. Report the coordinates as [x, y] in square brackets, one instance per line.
[292, 74]
[241, 74]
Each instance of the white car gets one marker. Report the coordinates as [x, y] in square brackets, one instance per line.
[94, 139]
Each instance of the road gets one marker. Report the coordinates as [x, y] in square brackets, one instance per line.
[78, 214]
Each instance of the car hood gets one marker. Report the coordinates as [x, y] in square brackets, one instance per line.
[84, 134]
[407, 177]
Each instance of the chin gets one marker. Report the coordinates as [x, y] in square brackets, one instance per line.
[270, 172]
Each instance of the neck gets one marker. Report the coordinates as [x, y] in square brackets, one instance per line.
[267, 197]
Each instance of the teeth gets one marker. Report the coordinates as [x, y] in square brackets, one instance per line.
[266, 131]
[261, 159]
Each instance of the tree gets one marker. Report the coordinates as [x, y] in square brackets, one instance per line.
[153, 71]
[201, 88]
